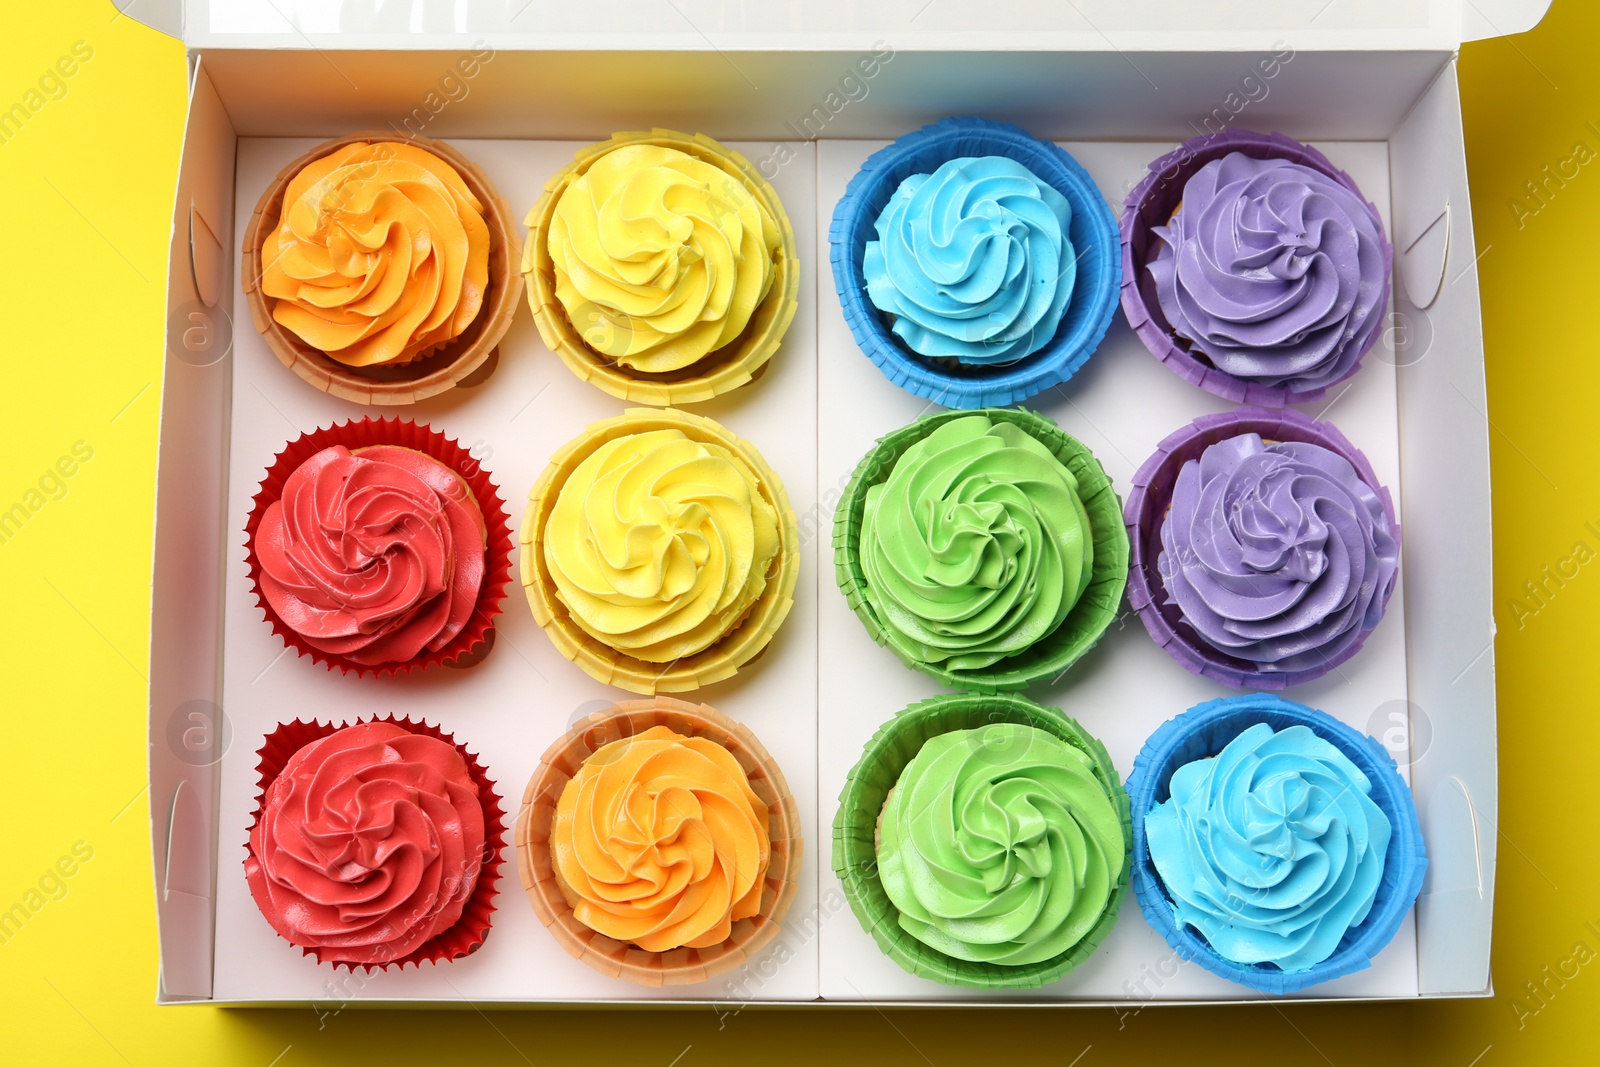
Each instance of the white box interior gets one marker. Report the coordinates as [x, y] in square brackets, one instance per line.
[1416, 409]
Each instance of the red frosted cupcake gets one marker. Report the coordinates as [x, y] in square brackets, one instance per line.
[376, 844]
[379, 547]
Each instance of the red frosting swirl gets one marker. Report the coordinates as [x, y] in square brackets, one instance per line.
[369, 844]
[373, 555]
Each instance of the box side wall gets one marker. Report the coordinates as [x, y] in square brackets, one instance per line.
[878, 91]
[1444, 452]
[188, 730]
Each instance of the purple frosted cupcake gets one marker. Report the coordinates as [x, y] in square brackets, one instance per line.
[1264, 548]
[1254, 268]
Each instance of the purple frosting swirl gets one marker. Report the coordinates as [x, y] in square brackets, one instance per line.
[1273, 271]
[1277, 554]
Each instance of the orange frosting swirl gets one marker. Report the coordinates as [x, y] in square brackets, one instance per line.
[381, 254]
[660, 841]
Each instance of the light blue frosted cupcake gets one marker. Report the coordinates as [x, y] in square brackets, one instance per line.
[976, 264]
[1272, 844]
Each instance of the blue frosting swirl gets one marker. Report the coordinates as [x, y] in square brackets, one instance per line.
[974, 261]
[1272, 849]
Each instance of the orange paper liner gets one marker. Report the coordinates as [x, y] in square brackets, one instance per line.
[743, 642]
[469, 932]
[428, 373]
[724, 370]
[618, 959]
[475, 640]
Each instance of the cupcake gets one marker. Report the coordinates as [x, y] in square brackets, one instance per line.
[661, 267]
[983, 548]
[379, 547]
[374, 845]
[1254, 267]
[983, 841]
[1265, 549]
[659, 843]
[382, 271]
[1272, 844]
[975, 263]
[659, 551]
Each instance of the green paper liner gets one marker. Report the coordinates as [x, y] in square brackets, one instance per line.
[618, 959]
[744, 642]
[1089, 618]
[729, 367]
[855, 854]
[468, 934]
[463, 360]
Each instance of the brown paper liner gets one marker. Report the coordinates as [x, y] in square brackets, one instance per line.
[470, 645]
[617, 959]
[469, 932]
[729, 367]
[743, 642]
[427, 374]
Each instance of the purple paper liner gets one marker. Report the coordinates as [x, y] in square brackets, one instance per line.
[1152, 202]
[1203, 731]
[1093, 232]
[1146, 508]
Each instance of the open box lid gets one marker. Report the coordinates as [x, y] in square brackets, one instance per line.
[915, 25]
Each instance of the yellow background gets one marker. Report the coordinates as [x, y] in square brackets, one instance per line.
[86, 189]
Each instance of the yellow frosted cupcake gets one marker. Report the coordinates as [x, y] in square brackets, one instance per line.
[661, 267]
[659, 551]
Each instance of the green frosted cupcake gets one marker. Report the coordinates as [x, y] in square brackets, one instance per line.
[983, 841]
[985, 548]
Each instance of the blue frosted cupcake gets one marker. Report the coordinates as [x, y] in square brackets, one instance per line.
[976, 264]
[1272, 844]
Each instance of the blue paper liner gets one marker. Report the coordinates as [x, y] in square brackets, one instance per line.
[1203, 731]
[1093, 232]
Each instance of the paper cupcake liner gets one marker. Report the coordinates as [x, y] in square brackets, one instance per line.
[855, 854]
[469, 932]
[741, 645]
[722, 371]
[1093, 232]
[463, 360]
[474, 641]
[1146, 510]
[1152, 202]
[1203, 731]
[618, 959]
[1084, 624]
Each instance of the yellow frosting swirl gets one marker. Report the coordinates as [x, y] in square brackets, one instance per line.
[658, 544]
[659, 257]
[380, 255]
[659, 841]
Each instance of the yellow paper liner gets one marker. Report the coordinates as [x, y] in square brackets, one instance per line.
[618, 959]
[743, 642]
[724, 370]
[426, 374]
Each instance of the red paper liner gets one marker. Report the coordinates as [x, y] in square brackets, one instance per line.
[473, 642]
[469, 932]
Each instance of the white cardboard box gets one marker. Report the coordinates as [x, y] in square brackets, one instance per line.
[1371, 82]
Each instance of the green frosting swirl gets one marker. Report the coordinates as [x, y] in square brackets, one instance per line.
[1000, 845]
[976, 546]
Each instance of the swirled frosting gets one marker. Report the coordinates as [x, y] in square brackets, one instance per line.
[1000, 845]
[1273, 271]
[373, 555]
[369, 843]
[660, 258]
[975, 546]
[659, 841]
[1272, 849]
[658, 544]
[380, 255]
[974, 261]
[1277, 554]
